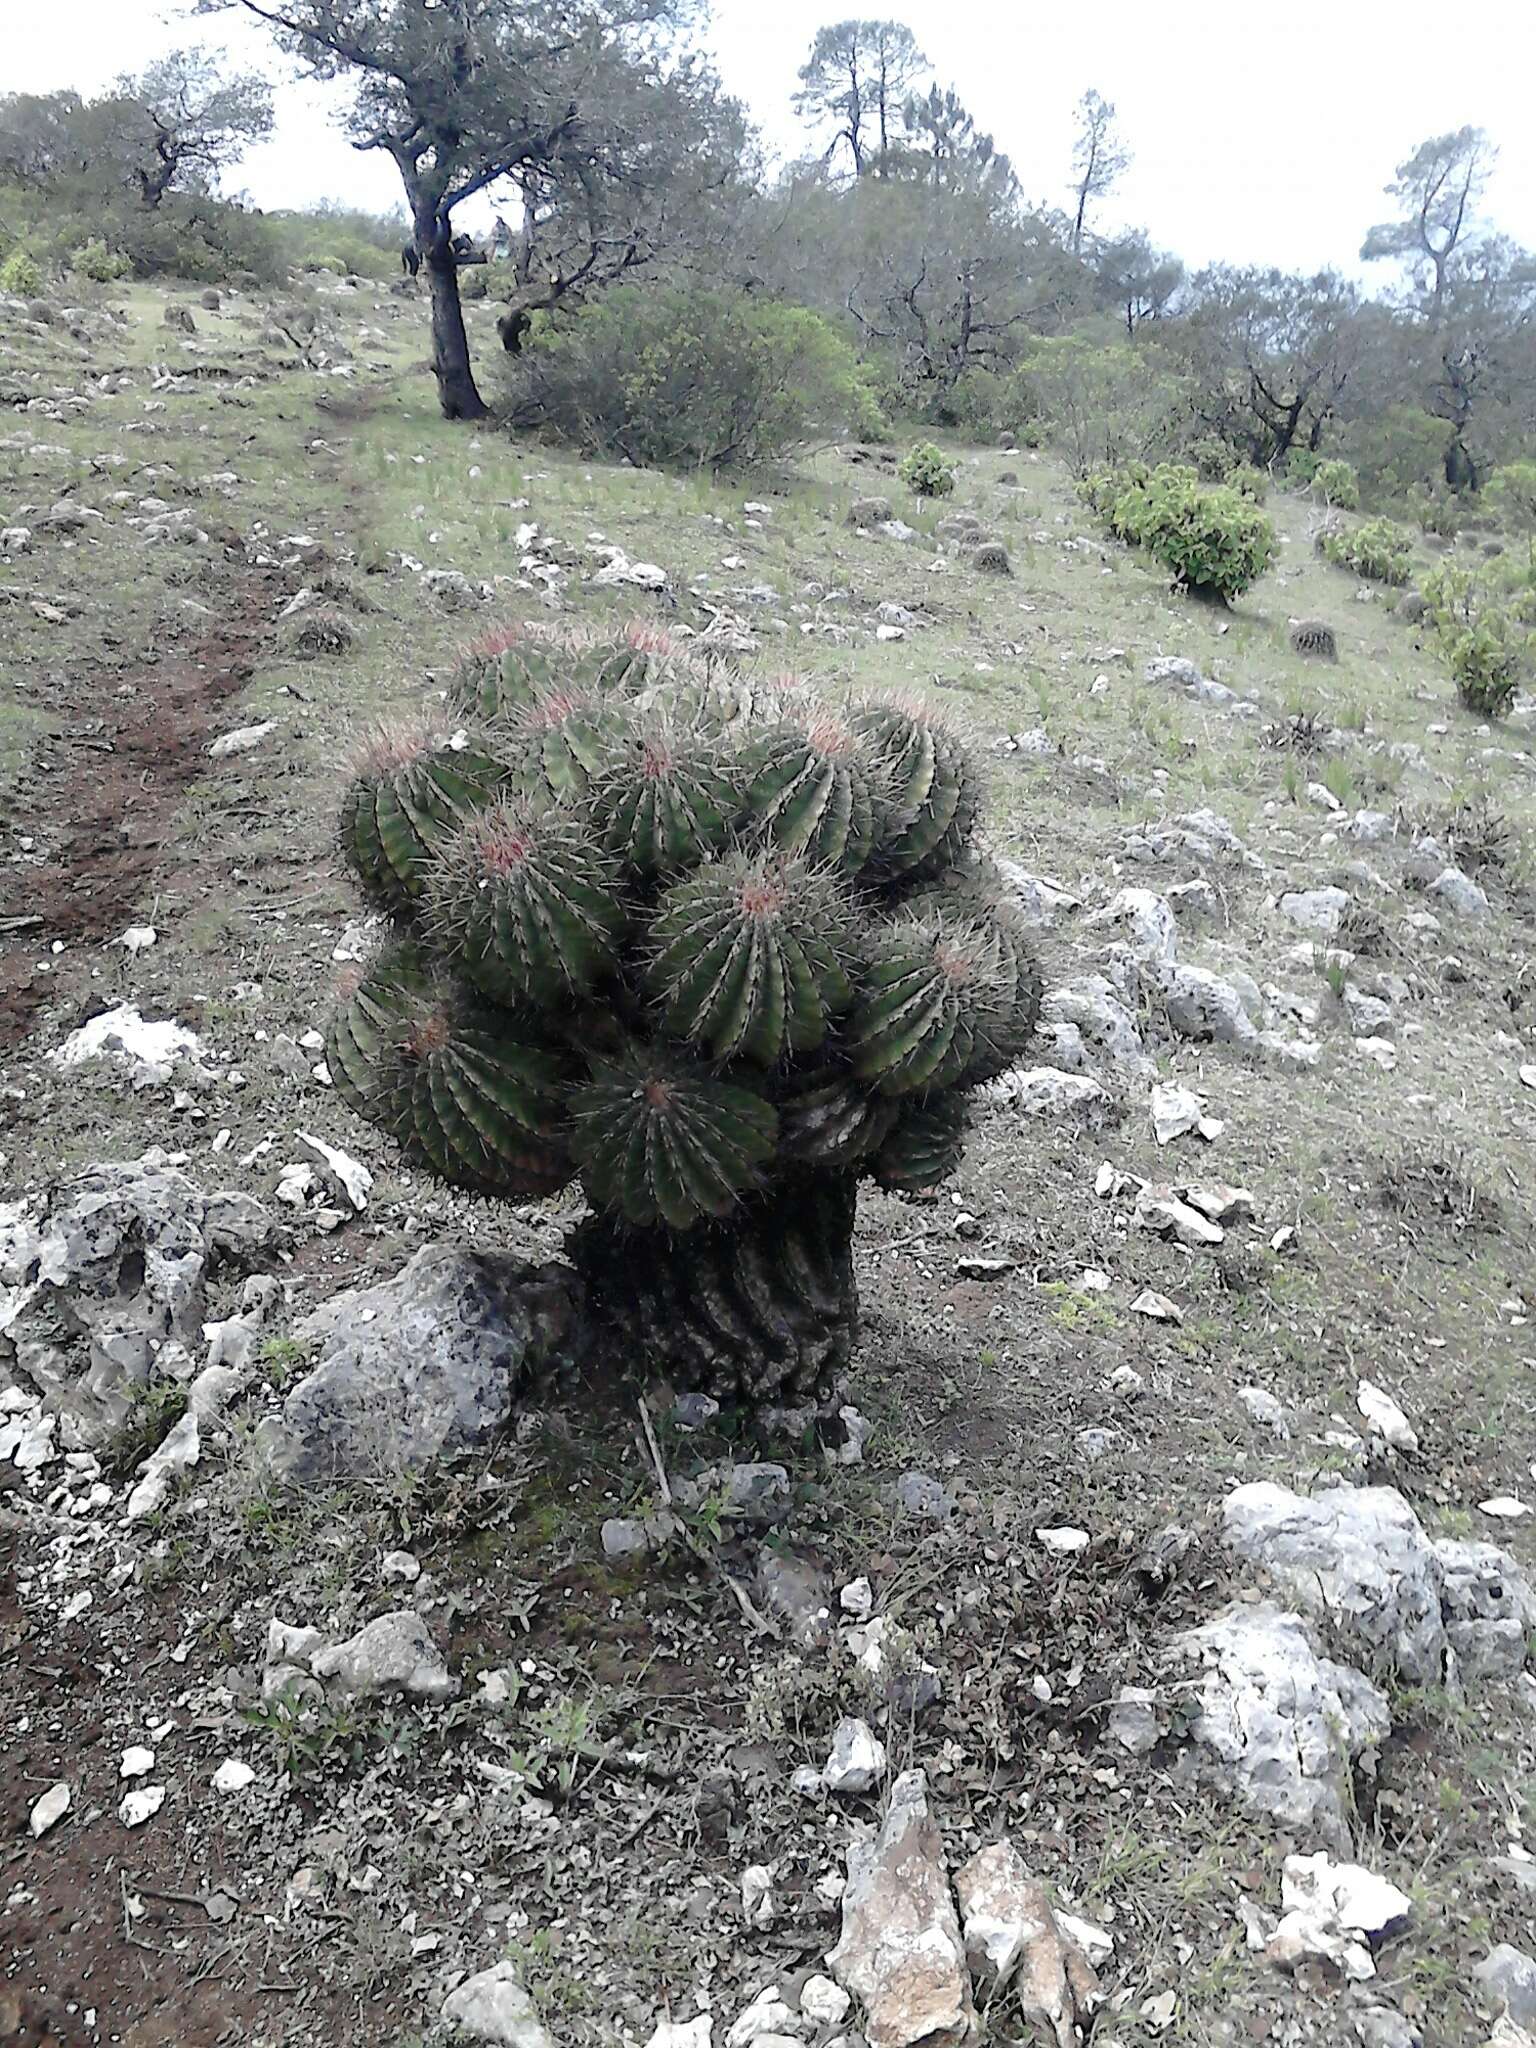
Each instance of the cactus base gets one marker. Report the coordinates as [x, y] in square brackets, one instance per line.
[762, 1311]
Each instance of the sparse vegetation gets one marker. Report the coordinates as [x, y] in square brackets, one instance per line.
[927, 472]
[1378, 549]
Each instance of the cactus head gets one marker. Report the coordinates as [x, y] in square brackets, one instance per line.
[409, 790]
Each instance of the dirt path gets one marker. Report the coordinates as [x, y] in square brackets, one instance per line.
[110, 812]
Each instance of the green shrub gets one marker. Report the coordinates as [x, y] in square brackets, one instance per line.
[1378, 549]
[926, 471]
[1486, 645]
[21, 274]
[1301, 465]
[976, 406]
[1336, 483]
[1215, 542]
[94, 261]
[1510, 494]
[1248, 482]
[672, 375]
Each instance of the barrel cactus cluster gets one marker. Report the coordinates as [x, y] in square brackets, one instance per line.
[709, 944]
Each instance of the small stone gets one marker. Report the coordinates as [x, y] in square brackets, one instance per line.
[1064, 1542]
[1504, 1507]
[698, 2032]
[856, 1762]
[394, 1654]
[1507, 1978]
[824, 2002]
[1384, 1418]
[399, 1567]
[137, 1762]
[1460, 893]
[1265, 1409]
[858, 1599]
[1150, 1303]
[136, 1807]
[919, 1494]
[232, 1776]
[49, 1810]
[494, 2008]
[757, 1901]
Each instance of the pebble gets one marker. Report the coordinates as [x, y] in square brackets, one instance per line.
[232, 1776]
[136, 1807]
[137, 1762]
[49, 1810]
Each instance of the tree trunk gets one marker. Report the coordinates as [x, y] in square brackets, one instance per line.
[457, 393]
[762, 1311]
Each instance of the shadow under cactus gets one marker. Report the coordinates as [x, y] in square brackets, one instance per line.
[713, 946]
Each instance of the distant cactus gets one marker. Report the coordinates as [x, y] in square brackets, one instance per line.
[712, 946]
[992, 559]
[1313, 637]
[869, 512]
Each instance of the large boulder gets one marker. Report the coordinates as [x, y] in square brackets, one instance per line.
[103, 1285]
[423, 1366]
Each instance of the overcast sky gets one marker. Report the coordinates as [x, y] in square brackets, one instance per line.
[1261, 134]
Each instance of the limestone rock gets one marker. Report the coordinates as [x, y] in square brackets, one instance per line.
[395, 1654]
[1012, 1937]
[105, 1280]
[1278, 1726]
[1053, 1096]
[1315, 910]
[423, 1366]
[856, 1762]
[493, 2007]
[1507, 1979]
[901, 1953]
[1355, 1557]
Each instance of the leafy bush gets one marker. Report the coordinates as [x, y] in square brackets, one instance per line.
[1336, 483]
[101, 265]
[927, 471]
[1214, 541]
[718, 948]
[672, 375]
[1510, 495]
[1301, 465]
[1248, 482]
[1378, 549]
[1486, 644]
[21, 274]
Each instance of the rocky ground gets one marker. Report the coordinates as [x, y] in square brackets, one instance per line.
[1149, 1654]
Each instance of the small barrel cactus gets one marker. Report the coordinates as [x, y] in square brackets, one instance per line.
[712, 946]
[992, 559]
[1314, 637]
[867, 512]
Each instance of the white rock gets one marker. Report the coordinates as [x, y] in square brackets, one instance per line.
[351, 1177]
[758, 1906]
[1064, 1542]
[858, 1599]
[856, 1762]
[232, 1776]
[399, 1567]
[1315, 910]
[1176, 1109]
[241, 741]
[1384, 1418]
[767, 2018]
[1277, 1726]
[137, 1762]
[1265, 1409]
[1335, 1910]
[49, 1810]
[394, 1654]
[1013, 1938]
[1048, 1093]
[493, 2007]
[1460, 893]
[149, 1050]
[1213, 1198]
[1504, 1507]
[1150, 1303]
[698, 2032]
[824, 2002]
[1159, 1209]
[138, 938]
[134, 1808]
